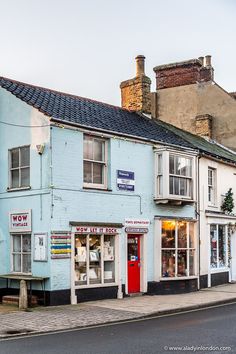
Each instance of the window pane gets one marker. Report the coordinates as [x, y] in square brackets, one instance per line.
[182, 234]
[98, 173]
[26, 243]
[15, 158]
[25, 177]
[94, 259]
[213, 233]
[25, 156]
[176, 185]
[182, 263]
[159, 164]
[109, 259]
[172, 165]
[17, 243]
[80, 259]
[15, 179]
[191, 235]
[171, 182]
[222, 246]
[168, 234]
[132, 251]
[26, 263]
[183, 186]
[87, 172]
[99, 150]
[191, 262]
[88, 147]
[168, 263]
[16, 263]
[159, 185]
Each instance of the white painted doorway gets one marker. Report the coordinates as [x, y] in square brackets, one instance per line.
[233, 255]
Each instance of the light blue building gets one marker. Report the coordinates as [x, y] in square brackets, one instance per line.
[95, 201]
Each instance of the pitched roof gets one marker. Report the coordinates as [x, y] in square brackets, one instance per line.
[97, 115]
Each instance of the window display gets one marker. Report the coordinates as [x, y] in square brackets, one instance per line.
[94, 259]
[178, 250]
[219, 246]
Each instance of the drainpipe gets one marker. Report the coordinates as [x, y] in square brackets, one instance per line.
[198, 219]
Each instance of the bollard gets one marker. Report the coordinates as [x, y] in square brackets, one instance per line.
[23, 298]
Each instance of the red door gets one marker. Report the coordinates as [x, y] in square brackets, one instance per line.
[133, 263]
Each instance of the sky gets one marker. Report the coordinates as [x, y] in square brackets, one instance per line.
[87, 47]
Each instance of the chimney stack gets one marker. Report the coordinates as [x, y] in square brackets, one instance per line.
[136, 92]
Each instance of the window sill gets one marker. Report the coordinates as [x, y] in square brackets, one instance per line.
[97, 188]
[173, 200]
[219, 270]
[179, 278]
[18, 189]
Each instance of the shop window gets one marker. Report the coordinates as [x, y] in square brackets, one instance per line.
[94, 259]
[174, 176]
[21, 253]
[19, 171]
[212, 186]
[95, 162]
[178, 249]
[219, 246]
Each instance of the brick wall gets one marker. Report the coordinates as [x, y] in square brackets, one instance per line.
[179, 74]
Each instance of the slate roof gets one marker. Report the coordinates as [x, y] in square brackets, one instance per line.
[101, 116]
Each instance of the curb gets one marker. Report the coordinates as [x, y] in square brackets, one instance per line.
[154, 314]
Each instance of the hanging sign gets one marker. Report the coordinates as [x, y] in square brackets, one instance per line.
[20, 221]
[125, 180]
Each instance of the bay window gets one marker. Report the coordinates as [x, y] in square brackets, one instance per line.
[178, 250]
[95, 259]
[95, 162]
[174, 177]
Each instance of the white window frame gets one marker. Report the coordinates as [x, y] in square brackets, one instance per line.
[103, 163]
[21, 253]
[164, 175]
[20, 168]
[212, 186]
[226, 266]
[176, 249]
[102, 283]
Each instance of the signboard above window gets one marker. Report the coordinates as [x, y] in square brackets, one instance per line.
[20, 221]
[125, 180]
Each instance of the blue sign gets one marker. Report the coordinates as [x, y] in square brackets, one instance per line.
[125, 180]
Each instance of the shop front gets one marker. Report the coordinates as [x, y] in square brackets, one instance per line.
[221, 233]
[95, 263]
[176, 261]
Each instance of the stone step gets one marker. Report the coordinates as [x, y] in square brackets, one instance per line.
[14, 300]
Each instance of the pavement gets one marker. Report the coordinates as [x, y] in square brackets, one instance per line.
[50, 319]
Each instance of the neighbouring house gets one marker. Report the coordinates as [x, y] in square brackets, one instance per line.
[97, 201]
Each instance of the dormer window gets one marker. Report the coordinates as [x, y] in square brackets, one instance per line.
[174, 176]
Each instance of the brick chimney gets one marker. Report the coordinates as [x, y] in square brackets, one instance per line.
[135, 93]
[204, 125]
[184, 73]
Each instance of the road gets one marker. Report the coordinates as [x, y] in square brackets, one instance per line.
[202, 331]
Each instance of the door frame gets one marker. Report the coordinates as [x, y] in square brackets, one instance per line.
[143, 261]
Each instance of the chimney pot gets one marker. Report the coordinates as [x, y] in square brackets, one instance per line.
[140, 65]
[208, 61]
[201, 59]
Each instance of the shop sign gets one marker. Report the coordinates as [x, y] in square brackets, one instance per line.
[136, 230]
[125, 180]
[20, 221]
[96, 230]
[60, 245]
[137, 223]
